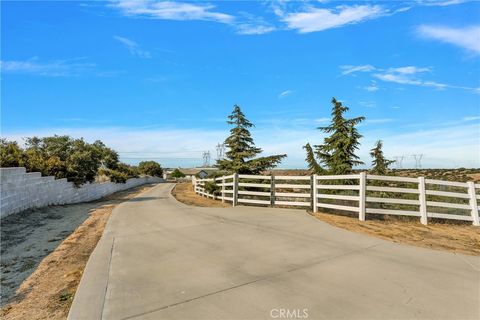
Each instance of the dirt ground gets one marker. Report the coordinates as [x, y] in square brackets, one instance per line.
[460, 238]
[449, 236]
[48, 291]
[183, 192]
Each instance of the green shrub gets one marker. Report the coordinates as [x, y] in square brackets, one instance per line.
[150, 168]
[211, 187]
[130, 171]
[114, 175]
[10, 154]
[177, 174]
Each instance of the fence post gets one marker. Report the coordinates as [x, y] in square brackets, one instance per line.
[223, 189]
[194, 182]
[473, 203]
[422, 198]
[362, 196]
[272, 190]
[314, 193]
[311, 193]
[235, 189]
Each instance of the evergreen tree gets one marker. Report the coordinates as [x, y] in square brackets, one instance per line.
[380, 163]
[313, 165]
[241, 148]
[337, 152]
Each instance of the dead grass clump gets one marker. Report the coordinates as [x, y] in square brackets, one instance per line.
[455, 237]
[184, 193]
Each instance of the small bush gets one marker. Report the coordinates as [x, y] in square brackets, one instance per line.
[150, 168]
[114, 175]
[177, 174]
[212, 188]
[130, 171]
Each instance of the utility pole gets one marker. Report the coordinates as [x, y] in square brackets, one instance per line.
[206, 158]
[418, 160]
[399, 161]
[220, 150]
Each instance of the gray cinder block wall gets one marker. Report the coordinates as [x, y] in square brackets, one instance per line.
[21, 191]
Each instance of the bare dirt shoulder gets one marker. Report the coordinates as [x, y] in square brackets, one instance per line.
[48, 292]
[184, 193]
[460, 238]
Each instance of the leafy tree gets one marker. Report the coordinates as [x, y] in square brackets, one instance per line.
[74, 159]
[177, 174]
[10, 154]
[109, 157]
[33, 161]
[150, 168]
[337, 152]
[241, 148]
[380, 163]
[83, 162]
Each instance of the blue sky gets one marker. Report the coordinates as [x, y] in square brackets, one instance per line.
[157, 79]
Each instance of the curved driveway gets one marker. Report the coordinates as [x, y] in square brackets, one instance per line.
[160, 259]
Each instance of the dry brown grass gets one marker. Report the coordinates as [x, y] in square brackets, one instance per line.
[184, 193]
[460, 238]
[48, 292]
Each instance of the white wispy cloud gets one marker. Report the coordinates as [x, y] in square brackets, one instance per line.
[133, 47]
[248, 24]
[372, 87]
[467, 38]
[170, 10]
[409, 70]
[368, 104]
[348, 69]
[322, 120]
[378, 121]
[440, 3]
[471, 118]
[319, 19]
[408, 75]
[285, 93]
[252, 29]
[55, 68]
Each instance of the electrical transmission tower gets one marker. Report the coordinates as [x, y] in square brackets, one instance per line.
[206, 158]
[220, 151]
[399, 161]
[418, 160]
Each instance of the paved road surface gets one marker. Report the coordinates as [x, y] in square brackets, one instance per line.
[160, 259]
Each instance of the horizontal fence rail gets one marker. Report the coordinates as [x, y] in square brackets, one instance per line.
[361, 193]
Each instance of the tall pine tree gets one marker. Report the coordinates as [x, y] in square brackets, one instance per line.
[337, 153]
[313, 165]
[380, 163]
[241, 148]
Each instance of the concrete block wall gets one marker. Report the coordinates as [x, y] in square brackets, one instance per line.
[20, 190]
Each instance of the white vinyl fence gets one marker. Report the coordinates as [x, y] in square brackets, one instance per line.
[360, 193]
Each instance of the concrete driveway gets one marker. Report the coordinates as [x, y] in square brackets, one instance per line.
[160, 259]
